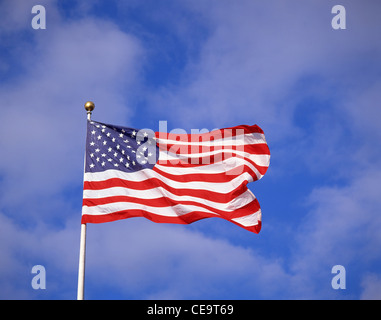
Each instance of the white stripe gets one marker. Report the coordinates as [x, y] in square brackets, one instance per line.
[251, 138]
[159, 192]
[250, 220]
[217, 167]
[145, 174]
[173, 211]
[260, 159]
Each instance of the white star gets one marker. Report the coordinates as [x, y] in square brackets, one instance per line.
[145, 134]
[104, 142]
[97, 150]
[103, 154]
[118, 146]
[121, 159]
[109, 149]
[92, 165]
[93, 132]
[121, 135]
[108, 134]
[115, 154]
[113, 139]
[103, 164]
[99, 137]
[134, 133]
[92, 155]
[116, 165]
[127, 164]
[92, 143]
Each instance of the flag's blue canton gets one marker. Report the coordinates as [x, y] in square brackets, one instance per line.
[120, 148]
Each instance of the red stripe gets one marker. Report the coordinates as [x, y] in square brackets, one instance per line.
[154, 183]
[210, 136]
[201, 161]
[162, 202]
[227, 176]
[209, 177]
[259, 148]
[184, 219]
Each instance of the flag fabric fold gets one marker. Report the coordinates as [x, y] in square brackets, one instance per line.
[173, 178]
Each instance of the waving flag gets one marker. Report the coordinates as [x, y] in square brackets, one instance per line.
[173, 178]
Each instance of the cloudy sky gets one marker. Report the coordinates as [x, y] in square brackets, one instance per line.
[315, 92]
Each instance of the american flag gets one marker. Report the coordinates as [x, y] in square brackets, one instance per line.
[173, 178]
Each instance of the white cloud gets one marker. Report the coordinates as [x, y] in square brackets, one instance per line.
[154, 261]
[43, 120]
[16, 16]
[21, 248]
[42, 137]
[371, 285]
[270, 63]
[341, 229]
[262, 59]
[136, 258]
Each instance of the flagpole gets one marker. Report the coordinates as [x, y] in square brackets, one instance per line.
[89, 106]
[81, 269]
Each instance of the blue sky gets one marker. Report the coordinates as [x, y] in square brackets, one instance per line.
[315, 91]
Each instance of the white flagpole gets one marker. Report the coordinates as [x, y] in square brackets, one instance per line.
[89, 106]
[81, 269]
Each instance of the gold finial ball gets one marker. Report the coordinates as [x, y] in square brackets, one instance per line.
[89, 106]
